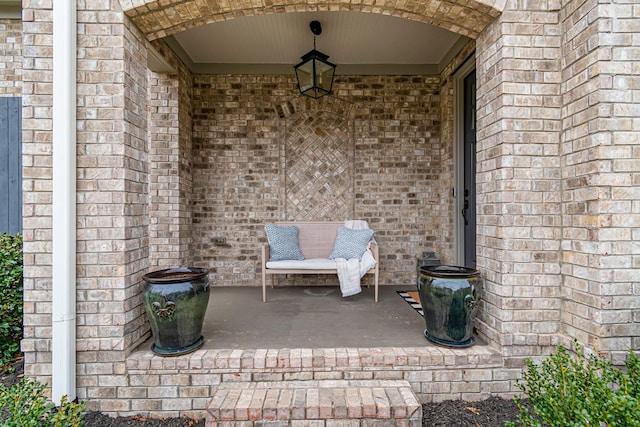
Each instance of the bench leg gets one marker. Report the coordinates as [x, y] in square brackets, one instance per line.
[264, 286]
[375, 284]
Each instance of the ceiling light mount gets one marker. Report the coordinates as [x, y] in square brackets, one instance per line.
[315, 72]
[316, 28]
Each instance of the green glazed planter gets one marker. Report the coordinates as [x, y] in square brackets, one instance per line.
[449, 297]
[176, 301]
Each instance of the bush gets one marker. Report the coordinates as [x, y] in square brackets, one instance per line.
[25, 405]
[578, 391]
[10, 296]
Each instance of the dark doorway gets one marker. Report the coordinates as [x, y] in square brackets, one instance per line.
[469, 195]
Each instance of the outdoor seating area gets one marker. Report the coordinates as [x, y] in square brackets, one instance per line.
[321, 248]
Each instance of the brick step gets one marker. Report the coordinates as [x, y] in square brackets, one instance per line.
[326, 403]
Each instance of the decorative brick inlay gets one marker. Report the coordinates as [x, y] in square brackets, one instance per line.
[319, 168]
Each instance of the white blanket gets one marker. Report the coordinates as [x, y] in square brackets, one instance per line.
[351, 271]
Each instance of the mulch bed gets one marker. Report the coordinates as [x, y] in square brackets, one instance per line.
[94, 419]
[487, 413]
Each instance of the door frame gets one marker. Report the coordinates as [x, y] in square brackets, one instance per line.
[458, 154]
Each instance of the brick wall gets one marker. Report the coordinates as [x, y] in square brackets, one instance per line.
[112, 206]
[601, 173]
[10, 57]
[170, 189]
[399, 156]
[36, 160]
[518, 175]
[112, 244]
[240, 157]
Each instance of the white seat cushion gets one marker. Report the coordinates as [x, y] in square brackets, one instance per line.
[305, 264]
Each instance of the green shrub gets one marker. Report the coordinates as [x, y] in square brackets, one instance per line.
[25, 405]
[577, 391]
[10, 296]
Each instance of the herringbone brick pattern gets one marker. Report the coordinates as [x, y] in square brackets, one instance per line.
[319, 168]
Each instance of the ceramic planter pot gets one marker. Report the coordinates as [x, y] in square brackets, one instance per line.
[449, 297]
[176, 301]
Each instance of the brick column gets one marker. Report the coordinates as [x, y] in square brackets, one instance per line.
[601, 174]
[112, 218]
[170, 158]
[518, 180]
[36, 186]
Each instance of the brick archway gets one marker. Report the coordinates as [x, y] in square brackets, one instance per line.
[159, 18]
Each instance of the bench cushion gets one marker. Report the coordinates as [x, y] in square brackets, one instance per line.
[307, 264]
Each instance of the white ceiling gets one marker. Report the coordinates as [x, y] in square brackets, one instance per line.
[353, 40]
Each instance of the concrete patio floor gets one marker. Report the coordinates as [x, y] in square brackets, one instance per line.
[310, 317]
[309, 339]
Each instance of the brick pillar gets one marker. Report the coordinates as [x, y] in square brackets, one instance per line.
[170, 157]
[518, 179]
[601, 174]
[37, 173]
[112, 217]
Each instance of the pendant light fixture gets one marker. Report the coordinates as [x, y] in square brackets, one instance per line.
[315, 72]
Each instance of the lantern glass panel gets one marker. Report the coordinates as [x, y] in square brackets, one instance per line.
[305, 76]
[324, 74]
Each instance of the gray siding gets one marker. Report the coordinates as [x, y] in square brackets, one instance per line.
[11, 165]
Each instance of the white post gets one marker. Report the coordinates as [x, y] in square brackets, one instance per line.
[63, 326]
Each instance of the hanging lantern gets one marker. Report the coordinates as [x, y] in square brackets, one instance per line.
[315, 72]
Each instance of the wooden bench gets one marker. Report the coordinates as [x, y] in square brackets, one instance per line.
[316, 240]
